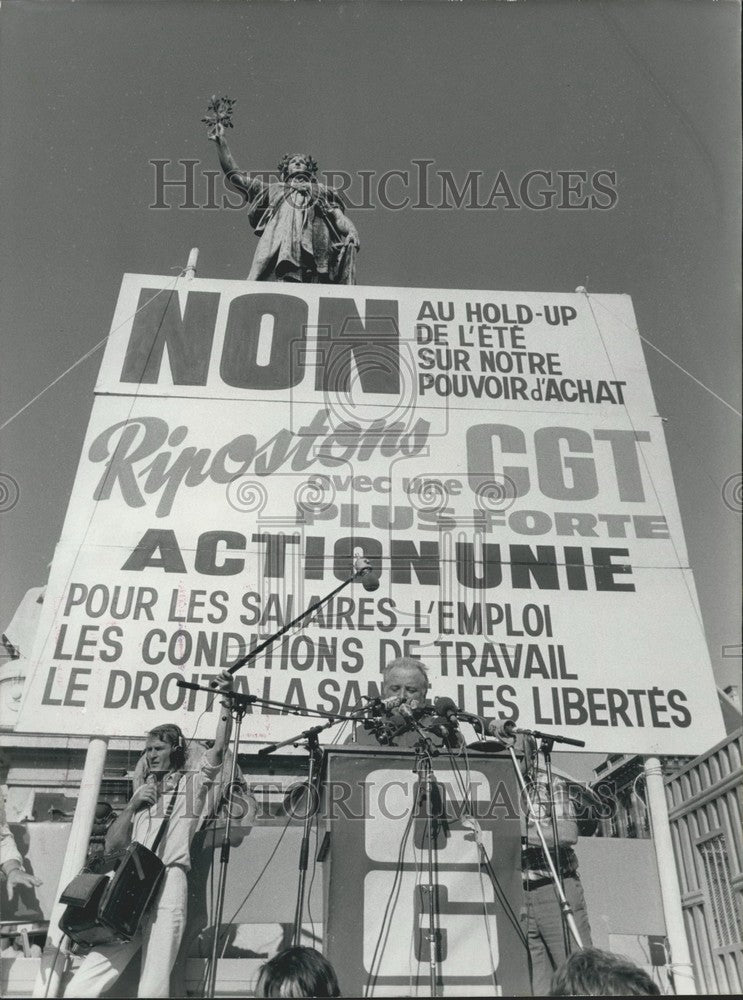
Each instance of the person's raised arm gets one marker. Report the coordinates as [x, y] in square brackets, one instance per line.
[215, 755]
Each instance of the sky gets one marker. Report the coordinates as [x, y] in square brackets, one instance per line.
[92, 92]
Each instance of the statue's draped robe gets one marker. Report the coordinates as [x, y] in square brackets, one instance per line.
[298, 238]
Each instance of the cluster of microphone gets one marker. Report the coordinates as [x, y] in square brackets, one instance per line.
[504, 730]
[447, 716]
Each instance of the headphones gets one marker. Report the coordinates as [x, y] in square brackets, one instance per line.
[178, 753]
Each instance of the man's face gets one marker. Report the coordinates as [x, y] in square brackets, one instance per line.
[405, 682]
[158, 755]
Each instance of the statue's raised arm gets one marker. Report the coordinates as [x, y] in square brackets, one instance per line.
[217, 120]
[304, 232]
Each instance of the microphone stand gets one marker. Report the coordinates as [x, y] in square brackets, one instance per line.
[424, 752]
[312, 745]
[359, 574]
[547, 742]
[239, 705]
[425, 773]
[565, 908]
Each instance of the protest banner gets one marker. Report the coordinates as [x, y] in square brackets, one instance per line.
[497, 456]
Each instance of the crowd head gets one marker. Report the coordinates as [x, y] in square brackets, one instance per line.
[589, 972]
[298, 972]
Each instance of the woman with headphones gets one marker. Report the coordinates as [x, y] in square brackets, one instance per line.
[172, 795]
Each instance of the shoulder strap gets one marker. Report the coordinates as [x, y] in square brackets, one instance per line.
[166, 819]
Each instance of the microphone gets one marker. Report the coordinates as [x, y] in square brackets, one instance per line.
[151, 782]
[446, 708]
[365, 573]
[503, 729]
[407, 709]
[506, 729]
[440, 727]
[380, 706]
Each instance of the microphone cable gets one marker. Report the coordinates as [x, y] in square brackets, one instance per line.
[465, 786]
[500, 893]
[386, 916]
[316, 825]
[483, 857]
[260, 875]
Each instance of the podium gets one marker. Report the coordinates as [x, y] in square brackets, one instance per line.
[378, 886]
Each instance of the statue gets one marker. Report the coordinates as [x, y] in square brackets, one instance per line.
[304, 232]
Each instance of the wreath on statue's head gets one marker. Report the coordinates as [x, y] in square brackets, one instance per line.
[284, 163]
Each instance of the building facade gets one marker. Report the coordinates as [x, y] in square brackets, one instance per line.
[705, 804]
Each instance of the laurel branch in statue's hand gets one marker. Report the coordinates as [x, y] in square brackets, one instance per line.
[218, 117]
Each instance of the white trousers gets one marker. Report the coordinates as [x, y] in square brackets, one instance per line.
[159, 937]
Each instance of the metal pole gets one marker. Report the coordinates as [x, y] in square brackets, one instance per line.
[547, 754]
[54, 959]
[193, 259]
[565, 907]
[304, 851]
[224, 857]
[432, 879]
[683, 970]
